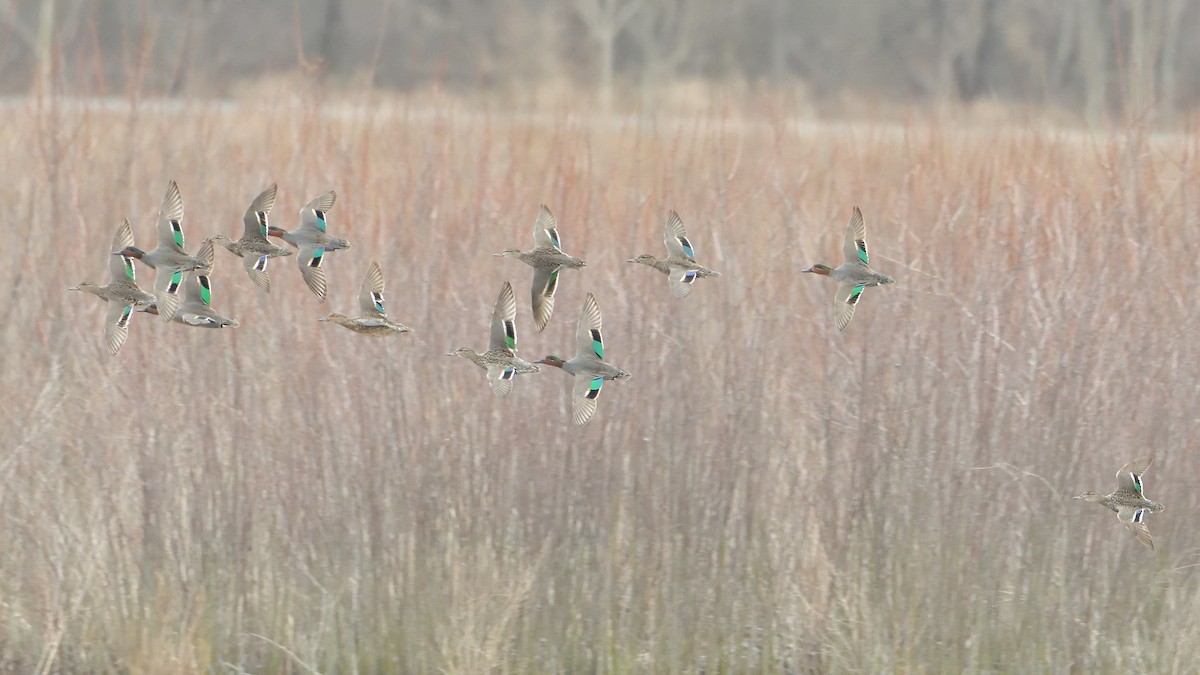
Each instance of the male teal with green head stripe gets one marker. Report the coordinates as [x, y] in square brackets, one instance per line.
[588, 365]
[168, 259]
[855, 274]
[196, 308]
[312, 241]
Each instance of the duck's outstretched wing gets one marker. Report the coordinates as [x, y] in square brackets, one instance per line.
[676, 239]
[681, 281]
[845, 299]
[589, 339]
[170, 219]
[255, 219]
[370, 296]
[504, 320]
[166, 292]
[309, 260]
[545, 229]
[545, 283]
[116, 325]
[855, 245]
[119, 266]
[1135, 519]
[1129, 478]
[312, 216]
[256, 269]
[501, 379]
[584, 395]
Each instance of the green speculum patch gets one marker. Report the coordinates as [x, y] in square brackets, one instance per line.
[205, 290]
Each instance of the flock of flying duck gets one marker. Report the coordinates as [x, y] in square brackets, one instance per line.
[183, 287]
[183, 293]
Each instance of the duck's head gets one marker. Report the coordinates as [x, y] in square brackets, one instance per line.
[552, 361]
[275, 231]
[151, 308]
[131, 252]
[84, 286]
[220, 239]
[509, 253]
[1090, 496]
[465, 352]
[644, 259]
[334, 317]
[823, 270]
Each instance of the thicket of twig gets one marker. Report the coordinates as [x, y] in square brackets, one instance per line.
[765, 492]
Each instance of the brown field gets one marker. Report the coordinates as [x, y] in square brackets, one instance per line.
[765, 494]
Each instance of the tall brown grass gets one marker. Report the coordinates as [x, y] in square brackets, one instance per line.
[764, 494]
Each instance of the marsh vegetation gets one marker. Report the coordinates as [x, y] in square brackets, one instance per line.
[765, 493]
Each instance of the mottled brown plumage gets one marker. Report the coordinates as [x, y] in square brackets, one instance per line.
[1129, 499]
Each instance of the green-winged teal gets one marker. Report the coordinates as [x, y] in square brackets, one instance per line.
[680, 264]
[500, 360]
[169, 260]
[855, 274]
[121, 292]
[373, 320]
[547, 259]
[313, 241]
[588, 365]
[195, 310]
[253, 248]
[1129, 500]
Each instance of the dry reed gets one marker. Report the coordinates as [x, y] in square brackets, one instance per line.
[764, 494]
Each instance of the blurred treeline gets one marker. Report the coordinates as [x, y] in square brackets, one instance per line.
[1097, 58]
